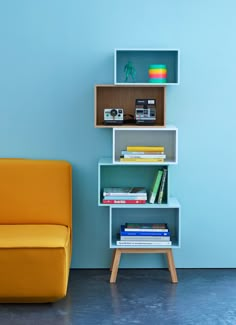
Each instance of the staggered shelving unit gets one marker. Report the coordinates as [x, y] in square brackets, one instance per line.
[115, 173]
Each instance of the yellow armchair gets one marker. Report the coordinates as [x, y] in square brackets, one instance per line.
[35, 229]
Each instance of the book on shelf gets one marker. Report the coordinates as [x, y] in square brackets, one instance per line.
[141, 159]
[136, 154]
[142, 243]
[149, 238]
[125, 152]
[128, 201]
[125, 191]
[146, 148]
[143, 233]
[155, 186]
[124, 197]
[162, 186]
[146, 226]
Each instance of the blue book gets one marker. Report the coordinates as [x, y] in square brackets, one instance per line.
[142, 233]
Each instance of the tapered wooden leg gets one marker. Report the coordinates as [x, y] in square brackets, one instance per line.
[113, 257]
[117, 255]
[115, 265]
[171, 266]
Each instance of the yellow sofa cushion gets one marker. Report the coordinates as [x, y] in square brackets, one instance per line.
[34, 262]
[44, 236]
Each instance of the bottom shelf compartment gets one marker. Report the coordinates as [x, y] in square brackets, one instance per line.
[166, 214]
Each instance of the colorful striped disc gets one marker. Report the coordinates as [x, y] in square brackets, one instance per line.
[157, 73]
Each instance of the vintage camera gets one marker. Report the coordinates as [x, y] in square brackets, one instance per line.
[145, 111]
[113, 116]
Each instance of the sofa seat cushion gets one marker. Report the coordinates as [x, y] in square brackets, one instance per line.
[34, 262]
[33, 236]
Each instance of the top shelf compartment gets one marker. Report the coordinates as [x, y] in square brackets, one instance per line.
[141, 60]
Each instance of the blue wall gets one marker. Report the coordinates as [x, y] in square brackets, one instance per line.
[52, 53]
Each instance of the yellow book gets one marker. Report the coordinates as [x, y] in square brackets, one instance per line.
[142, 159]
[146, 148]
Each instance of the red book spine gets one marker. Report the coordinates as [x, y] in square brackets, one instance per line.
[124, 201]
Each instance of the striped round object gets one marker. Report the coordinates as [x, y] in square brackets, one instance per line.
[157, 73]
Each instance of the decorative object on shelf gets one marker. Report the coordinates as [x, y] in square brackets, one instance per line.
[130, 71]
[157, 73]
[129, 119]
[113, 116]
[145, 111]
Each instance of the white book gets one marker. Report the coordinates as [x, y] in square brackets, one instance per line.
[125, 191]
[142, 243]
[136, 155]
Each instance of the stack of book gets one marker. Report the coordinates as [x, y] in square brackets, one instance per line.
[143, 154]
[124, 195]
[144, 234]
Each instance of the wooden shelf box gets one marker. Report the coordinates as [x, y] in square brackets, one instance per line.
[114, 96]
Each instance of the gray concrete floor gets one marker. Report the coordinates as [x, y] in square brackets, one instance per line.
[146, 296]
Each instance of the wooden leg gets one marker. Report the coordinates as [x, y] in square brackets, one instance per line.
[113, 257]
[171, 266]
[117, 255]
[115, 265]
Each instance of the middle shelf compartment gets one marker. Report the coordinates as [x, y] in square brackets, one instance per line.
[167, 138]
[131, 175]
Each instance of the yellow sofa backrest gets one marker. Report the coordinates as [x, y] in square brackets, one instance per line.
[35, 192]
